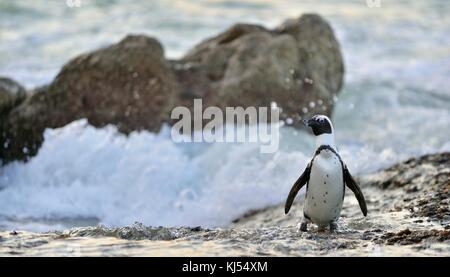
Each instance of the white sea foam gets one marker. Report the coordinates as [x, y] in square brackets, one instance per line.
[84, 172]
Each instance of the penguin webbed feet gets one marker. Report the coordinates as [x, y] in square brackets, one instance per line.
[333, 227]
[303, 226]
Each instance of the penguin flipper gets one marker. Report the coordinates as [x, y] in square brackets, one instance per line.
[351, 183]
[301, 181]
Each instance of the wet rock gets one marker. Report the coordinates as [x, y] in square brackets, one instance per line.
[128, 84]
[412, 173]
[298, 66]
[196, 229]
[407, 237]
[426, 181]
[11, 95]
[136, 232]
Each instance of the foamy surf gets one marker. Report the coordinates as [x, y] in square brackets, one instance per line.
[84, 176]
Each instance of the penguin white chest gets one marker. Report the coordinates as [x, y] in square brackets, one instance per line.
[325, 192]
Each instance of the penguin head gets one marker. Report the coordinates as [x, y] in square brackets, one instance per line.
[320, 124]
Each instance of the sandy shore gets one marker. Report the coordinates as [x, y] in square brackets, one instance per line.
[408, 216]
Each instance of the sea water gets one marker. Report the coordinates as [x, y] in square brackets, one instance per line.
[395, 104]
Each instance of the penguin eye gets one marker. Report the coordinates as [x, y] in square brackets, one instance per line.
[321, 120]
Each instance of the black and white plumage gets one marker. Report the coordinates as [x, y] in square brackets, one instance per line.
[325, 177]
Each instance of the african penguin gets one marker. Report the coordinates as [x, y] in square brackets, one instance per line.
[325, 178]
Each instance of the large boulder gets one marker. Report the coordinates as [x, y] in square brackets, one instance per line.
[298, 66]
[128, 84]
[11, 95]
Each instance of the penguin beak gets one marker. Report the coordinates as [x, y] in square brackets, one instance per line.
[308, 122]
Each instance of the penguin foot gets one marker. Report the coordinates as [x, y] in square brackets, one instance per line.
[303, 227]
[333, 227]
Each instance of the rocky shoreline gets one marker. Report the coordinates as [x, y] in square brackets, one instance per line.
[409, 215]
